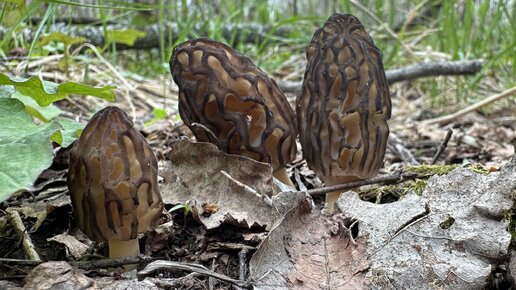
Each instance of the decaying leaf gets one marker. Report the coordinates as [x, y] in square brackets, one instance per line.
[192, 174]
[58, 275]
[306, 250]
[451, 237]
[73, 247]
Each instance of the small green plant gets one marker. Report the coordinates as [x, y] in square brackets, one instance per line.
[25, 146]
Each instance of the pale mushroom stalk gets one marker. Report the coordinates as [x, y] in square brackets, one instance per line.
[121, 249]
[344, 104]
[113, 183]
[240, 108]
[332, 197]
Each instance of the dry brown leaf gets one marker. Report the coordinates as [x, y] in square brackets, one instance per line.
[306, 250]
[73, 247]
[192, 174]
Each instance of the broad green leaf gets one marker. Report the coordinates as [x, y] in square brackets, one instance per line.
[25, 148]
[45, 92]
[71, 130]
[61, 37]
[45, 114]
[31, 107]
[127, 37]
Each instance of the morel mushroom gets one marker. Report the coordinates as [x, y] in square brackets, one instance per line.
[113, 182]
[344, 104]
[227, 100]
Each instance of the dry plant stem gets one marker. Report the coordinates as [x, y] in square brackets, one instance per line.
[248, 189]
[340, 187]
[17, 223]
[171, 265]
[443, 146]
[282, 175]
[450, 118]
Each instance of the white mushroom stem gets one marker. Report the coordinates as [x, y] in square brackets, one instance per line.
[282, 175]
[332, 197]
[122, 249]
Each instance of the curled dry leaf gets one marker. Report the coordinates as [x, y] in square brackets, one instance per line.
[305, 250]
[192, 174]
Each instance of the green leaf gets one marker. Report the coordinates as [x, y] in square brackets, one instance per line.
[25, 148]
[45, 92]
[159, 114]
[127, 37]
[71, 130]
[61, 37]
[45, 114]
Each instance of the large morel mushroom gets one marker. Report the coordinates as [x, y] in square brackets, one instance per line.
[227, 100]
[344, 104]
[113, 182]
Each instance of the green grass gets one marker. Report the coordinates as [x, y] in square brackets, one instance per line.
[404, 30]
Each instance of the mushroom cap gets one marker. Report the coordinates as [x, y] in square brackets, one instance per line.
[239, 108]
[344, 103]
[113, 179]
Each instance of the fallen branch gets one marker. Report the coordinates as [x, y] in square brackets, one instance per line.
[462, 67]
[411, 72]
[452, 117]
[171, 265]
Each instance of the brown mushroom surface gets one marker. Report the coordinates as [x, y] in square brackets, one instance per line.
[344, 104]
[227, 100]
[113, 182]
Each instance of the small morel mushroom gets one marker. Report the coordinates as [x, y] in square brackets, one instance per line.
[227, 100]
[113, 182]
[344, 104]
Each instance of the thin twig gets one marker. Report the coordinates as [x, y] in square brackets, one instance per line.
[172, 265]
[380, 179]
[443, 146]
[19, 227]
[451, 117]
[248, 189]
